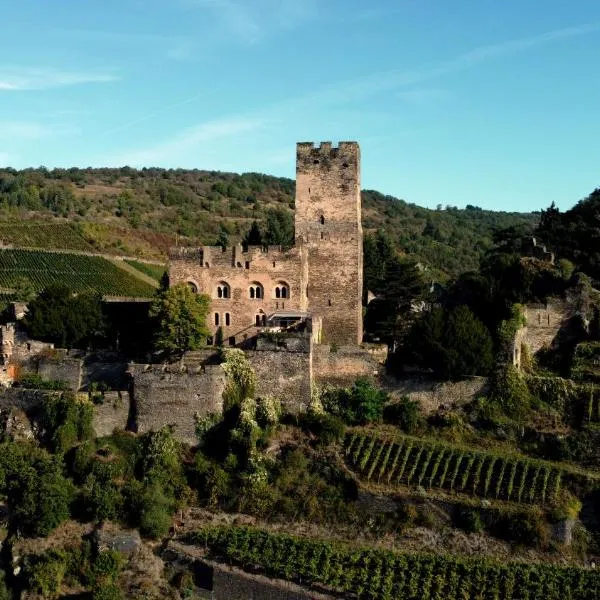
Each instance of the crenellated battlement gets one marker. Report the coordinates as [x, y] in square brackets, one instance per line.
[308, 150]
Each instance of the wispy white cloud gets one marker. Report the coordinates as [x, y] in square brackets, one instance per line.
[31, 130]
[22, 78]
[187, 140]
[156, 113]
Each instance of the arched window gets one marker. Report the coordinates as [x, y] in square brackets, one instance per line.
[227, 320]
[193, 286]
[257, 320]
[281, 290]
[217, 319]
[256, 290]
[223, 290]
[322, 219]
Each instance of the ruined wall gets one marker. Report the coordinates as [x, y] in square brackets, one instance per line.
[431, 395]
[344, 364]
[209, 267]
[544, 321]
[112, 413]
[285, 374]
[328, 224]
[60, 366]
[166, 396]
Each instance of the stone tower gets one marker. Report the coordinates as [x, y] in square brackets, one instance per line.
[328, 227]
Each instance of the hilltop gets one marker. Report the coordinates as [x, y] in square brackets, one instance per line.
[144, 212]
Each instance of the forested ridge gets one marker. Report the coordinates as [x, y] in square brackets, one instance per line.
[143, 212]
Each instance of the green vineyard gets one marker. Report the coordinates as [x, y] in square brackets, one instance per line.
[372, 573]
[403, 460]
[150, 269]
[78, 272]
[60, 236]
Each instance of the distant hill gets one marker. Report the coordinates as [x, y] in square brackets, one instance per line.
[143, 212]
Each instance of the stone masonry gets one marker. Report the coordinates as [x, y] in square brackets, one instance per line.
[320, 275]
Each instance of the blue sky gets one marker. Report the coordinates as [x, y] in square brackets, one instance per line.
[485, 102]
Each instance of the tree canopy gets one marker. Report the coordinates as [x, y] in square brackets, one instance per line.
[180, 318]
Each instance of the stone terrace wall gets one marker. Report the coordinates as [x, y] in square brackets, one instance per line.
[112, 414]
[169, 397]
[343, 365]
[433, 394]
[284, 374]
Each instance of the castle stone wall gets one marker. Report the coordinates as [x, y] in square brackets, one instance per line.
[544, 323]
[112, 413]
[284, 374]
[344, 364]
[210, 267]
[162, 397]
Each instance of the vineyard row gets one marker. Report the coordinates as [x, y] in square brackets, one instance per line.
[371, 573]
[411, 461]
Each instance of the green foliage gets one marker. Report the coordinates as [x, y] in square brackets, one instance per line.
[180, 317]
[586, 362]
[374, 573]
[359, 404]
[152, 270]
[68, 321]
[279, 228]
[404, 414]
[328, 429]
[574, 234]
[510, 392]
[241, 379]
[39, 496]
[33, 381]
[445, 466]
[65, 421]
[454, 343]
[469, 520]
[44, 573]
[39, 270]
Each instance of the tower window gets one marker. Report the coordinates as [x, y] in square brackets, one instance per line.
[247, 264]
[232, 340]
[256, 290]
[217, 319]
[282, 290]
[329, 302]
[227, 320]
[257, 320]
[223, 290]
[322, 220]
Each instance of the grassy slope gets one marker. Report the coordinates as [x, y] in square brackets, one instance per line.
[142, 213]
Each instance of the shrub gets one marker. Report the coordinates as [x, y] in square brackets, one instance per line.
[37, 382]
[360, 404]
[469, 520]
[110, 591]
[404, 414]
[328, 429]
[45, 573]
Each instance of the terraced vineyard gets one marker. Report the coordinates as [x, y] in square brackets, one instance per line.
[373, 573]
[404, 460]
[43, 235]
[150, 269]
[78, 272]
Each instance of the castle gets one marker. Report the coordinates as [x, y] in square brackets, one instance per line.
[319, 279]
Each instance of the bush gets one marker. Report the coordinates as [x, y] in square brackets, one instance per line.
[328, 429]
[360, 404]
[404, 414]
[468, 520]
[34, 381]
[45, 573]
[108, 592]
